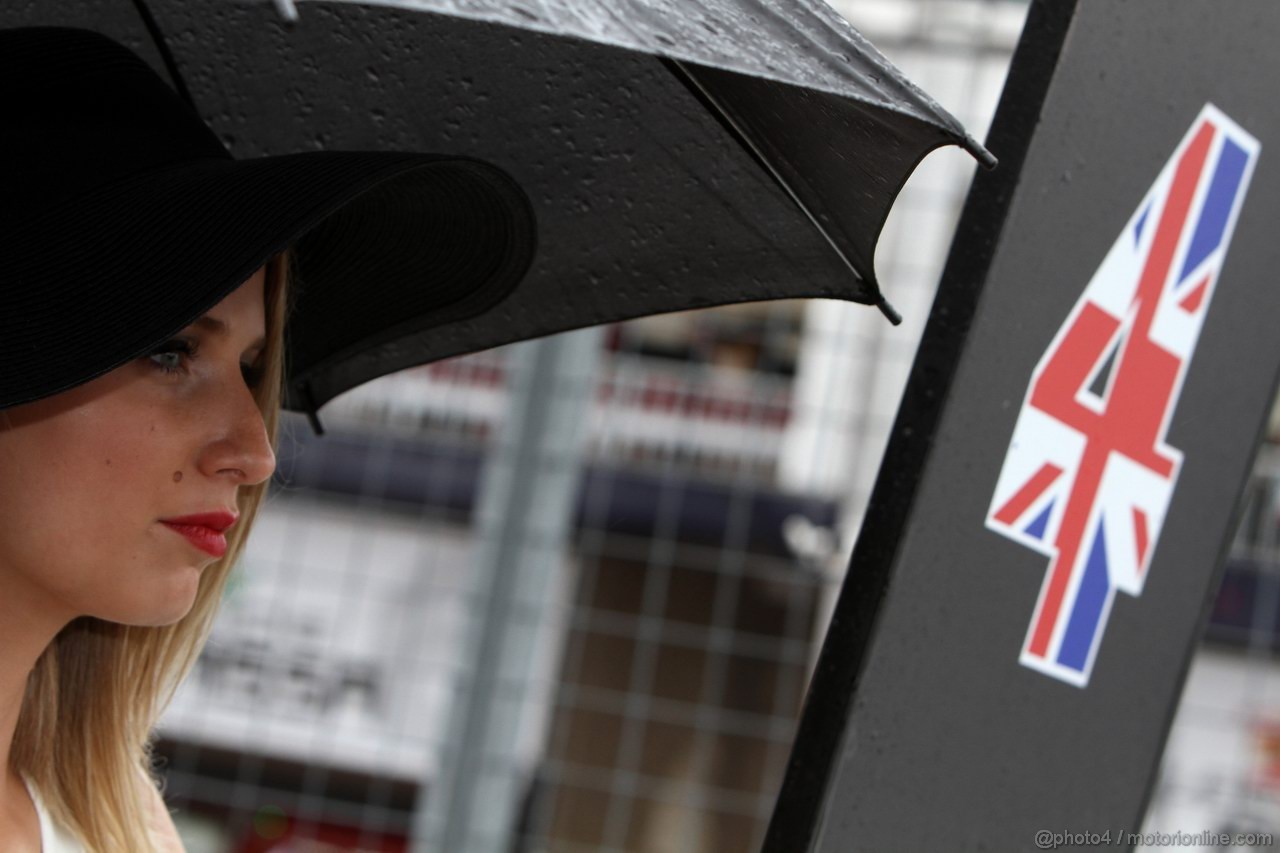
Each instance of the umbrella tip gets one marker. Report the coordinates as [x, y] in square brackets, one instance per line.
[287, 11]
[309, 402]
[314, 419]
[888, 311]
[984, 157]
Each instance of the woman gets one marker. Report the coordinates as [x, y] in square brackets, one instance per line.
[97, 578]
[159, 301]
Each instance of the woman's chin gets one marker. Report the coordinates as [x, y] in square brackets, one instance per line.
[165, 603]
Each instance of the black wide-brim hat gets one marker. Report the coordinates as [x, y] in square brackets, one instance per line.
[123, 218]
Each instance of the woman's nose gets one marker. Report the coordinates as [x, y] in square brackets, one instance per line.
[240, 448]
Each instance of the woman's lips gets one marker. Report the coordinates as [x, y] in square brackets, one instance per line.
[205, 538]
[204, 529]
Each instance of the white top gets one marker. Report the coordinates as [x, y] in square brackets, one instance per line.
[53, 838]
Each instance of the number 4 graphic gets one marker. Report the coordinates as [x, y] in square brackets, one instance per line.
[1089, 475]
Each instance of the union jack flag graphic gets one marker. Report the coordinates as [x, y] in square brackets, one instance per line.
[1088, 476]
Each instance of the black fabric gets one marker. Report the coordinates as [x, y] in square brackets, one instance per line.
[123, 218]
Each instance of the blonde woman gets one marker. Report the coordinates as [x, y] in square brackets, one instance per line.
[160, 302]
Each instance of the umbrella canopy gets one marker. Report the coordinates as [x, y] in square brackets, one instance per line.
[678, 155]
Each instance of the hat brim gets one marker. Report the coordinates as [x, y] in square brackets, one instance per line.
[386, 245]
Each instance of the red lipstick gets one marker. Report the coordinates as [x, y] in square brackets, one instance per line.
[204, 529]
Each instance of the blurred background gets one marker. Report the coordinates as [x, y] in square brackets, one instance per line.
[565, 596]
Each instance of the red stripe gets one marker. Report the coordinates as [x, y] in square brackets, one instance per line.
[1140, 532]
[1032, 489]
[1191, 303]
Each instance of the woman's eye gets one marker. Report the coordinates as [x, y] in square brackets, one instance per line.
[170, 356]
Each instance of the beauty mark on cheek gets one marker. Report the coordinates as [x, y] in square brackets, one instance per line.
[177, 476]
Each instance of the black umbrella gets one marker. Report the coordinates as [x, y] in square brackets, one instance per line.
[679, 155]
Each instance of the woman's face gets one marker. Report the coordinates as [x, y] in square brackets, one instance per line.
[87, 475]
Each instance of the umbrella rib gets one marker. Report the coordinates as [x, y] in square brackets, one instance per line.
[162, 46]
[726, 120]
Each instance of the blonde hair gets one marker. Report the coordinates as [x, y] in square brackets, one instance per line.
[85, 729]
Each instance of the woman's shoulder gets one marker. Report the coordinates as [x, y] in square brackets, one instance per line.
[160, 821]
[54, 838]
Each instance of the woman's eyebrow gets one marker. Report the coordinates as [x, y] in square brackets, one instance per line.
[218, 327]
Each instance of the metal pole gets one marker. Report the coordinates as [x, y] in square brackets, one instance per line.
[524, 516]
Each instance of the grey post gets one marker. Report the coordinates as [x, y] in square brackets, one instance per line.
[523, 525]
